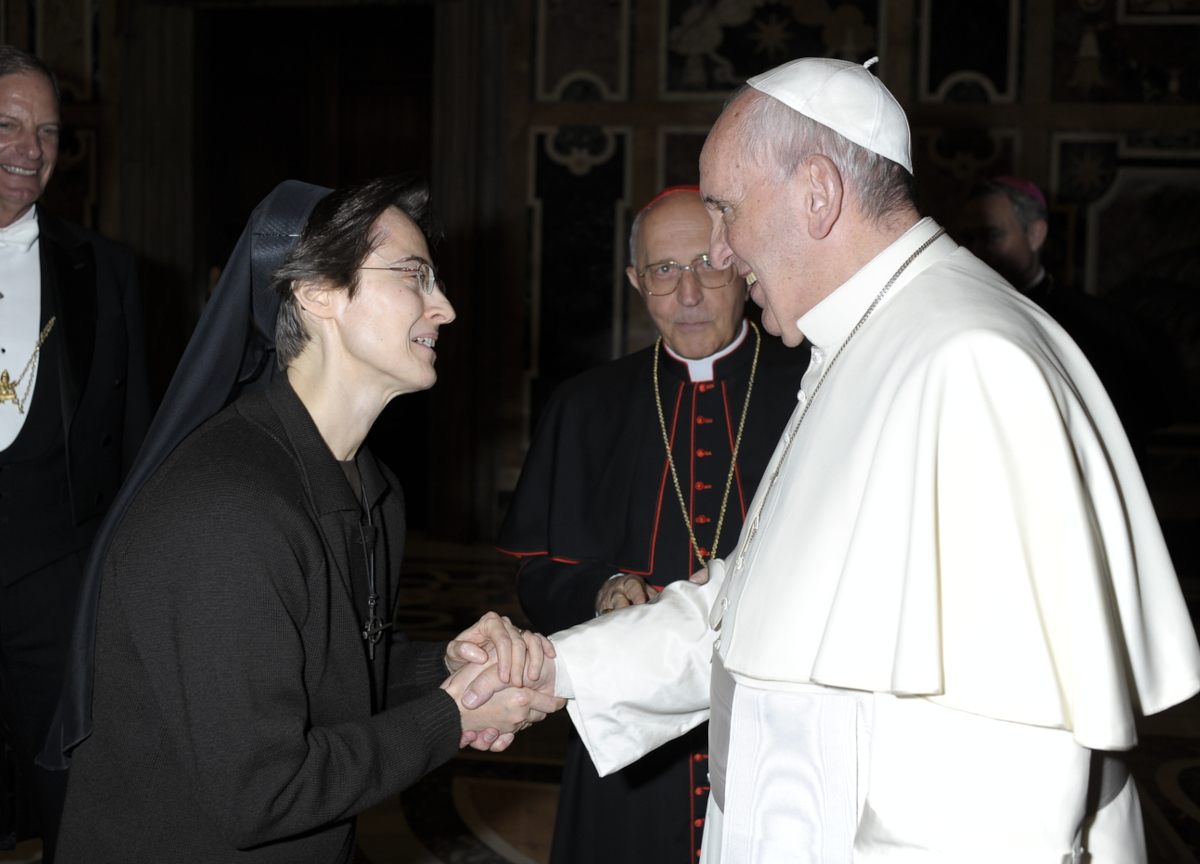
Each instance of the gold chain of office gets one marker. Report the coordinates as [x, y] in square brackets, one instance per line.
[662, 422]
[8, 389]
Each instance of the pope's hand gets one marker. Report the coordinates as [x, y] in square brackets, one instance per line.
[700, 577]
[624, 590]
[494, 725]
[487, 682]
[519, 654]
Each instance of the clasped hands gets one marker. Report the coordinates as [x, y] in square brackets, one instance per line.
[513, 669]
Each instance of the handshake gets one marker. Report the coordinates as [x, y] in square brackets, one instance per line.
[502, 679]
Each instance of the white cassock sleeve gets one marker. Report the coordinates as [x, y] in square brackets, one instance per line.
[640, 676]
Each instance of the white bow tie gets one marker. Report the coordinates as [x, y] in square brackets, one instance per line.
[19, 236]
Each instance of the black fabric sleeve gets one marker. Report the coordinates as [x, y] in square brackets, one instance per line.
[229, 665]
[137, 386]
[414, 666]
[556, 595]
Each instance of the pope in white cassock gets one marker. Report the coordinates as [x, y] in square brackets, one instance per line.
[951, 598]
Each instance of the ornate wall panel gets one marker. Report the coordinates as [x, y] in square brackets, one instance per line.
[72, 193]
[709, 48]
[948, 162]
[582, 51]
[969, 52]
[679, 154]
[1158, 11]
[1144, 51]
[65, 42]
[1136, 199]
[579, 202]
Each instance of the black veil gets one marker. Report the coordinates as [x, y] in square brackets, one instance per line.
[231, 352]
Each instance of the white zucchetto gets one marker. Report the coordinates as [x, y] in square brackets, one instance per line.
[847, 98]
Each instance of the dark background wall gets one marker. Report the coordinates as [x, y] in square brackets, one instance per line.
[543, 124]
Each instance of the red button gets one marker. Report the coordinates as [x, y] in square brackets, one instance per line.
[700, 790]
[700, 421]
[705, 553]
[702, 520]
[699, 823]
[700, 487]
[704, 388]
[703, 453]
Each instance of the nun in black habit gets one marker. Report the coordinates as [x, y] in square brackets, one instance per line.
[236, 691]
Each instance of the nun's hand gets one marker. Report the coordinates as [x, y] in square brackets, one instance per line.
[518, 654]
[494, 725]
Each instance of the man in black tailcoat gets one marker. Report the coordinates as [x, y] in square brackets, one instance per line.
[602, 518]
[74, 407]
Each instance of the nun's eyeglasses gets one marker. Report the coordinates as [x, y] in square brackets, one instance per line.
[423, 274]
[663, 277]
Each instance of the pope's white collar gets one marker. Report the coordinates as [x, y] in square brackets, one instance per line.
[831, 320]
[702, 369]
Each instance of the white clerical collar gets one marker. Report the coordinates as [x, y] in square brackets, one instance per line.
[702, 369]
[831, 320]
[22, 233]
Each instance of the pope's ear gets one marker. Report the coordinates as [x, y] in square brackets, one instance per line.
[315, 298]
[825, 194]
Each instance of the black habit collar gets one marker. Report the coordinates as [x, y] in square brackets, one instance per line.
[322, 474]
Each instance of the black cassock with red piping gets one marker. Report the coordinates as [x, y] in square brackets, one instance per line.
[596, 498]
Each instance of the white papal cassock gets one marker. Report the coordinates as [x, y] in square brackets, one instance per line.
[958, 592]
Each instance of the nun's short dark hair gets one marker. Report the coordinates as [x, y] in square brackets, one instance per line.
[337, 239]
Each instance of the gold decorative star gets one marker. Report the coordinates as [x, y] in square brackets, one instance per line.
[771, 37]
[1089, 173]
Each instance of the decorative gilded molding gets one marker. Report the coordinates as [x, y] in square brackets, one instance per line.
[707, 49]
[581, 51]
[1120, 185]
[65, 43]
[954, 70]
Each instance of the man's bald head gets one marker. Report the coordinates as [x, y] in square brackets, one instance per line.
[694, 321]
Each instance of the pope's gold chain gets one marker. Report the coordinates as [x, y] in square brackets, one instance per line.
[790, 437]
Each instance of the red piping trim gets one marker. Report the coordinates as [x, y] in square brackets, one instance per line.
[662, 486]
[691, 486]
[737, 474]
[691, 809]
[518, 554]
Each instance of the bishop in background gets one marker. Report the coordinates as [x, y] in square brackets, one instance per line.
[640, 471]
[951, 599]
[74, 407]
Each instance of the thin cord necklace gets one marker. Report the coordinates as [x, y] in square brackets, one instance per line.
[8, 389]
[791, 435]
[662, 422]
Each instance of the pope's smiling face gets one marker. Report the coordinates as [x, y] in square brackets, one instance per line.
[694, 321]
[755, 221]
[29, 130]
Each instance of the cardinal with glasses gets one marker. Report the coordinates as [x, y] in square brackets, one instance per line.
[640, 471]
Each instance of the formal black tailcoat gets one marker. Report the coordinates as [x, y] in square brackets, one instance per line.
[89, 414]
[596, 498]
[237, 715]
